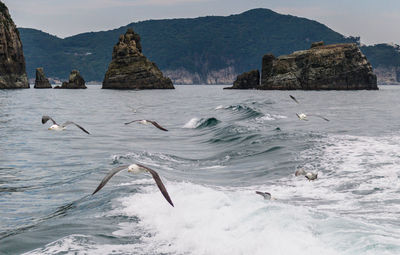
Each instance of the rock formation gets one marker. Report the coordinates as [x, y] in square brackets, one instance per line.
[12, 61]
[75, 81]
[41, 82]
[248, 80]
[130, 69]
[323, 67]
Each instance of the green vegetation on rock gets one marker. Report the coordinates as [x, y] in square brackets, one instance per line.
[198, 45]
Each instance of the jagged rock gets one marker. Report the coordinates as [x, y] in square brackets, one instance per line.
[41, 82]
[317, 44]
[75, 81]
[12, 61]
[130, 69]
[323, 67]
[248, 80]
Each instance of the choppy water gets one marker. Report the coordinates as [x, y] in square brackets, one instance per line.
[221, 147]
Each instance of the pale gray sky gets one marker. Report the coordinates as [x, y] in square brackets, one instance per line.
[375, 21]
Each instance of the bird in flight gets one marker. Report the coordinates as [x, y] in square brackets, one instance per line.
[58, 127]
[136, 168]
[146, 122]
[294, 99]
[303, 116]
[266, 195]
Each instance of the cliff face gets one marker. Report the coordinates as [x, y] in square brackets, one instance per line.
[130, 69]
[388, 75]
[222, 76]
[75, 81]
[41, 82]
[12, 62]
[248, 80]
[323, 67]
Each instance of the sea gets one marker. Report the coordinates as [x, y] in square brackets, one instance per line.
[221, 147]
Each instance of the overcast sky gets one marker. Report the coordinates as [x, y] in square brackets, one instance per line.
[375, 21]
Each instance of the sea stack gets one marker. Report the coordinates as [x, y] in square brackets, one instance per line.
[322, 67]
[130, 69]
[41, 82]
[12, 61]
[75, 81]
[248, 80]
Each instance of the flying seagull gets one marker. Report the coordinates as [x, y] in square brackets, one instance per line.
[294, 99]
[309, 175]
[300, 171]
[136, 168]
[146, 122]
[266, 195]
[58, 127]
[303, 116]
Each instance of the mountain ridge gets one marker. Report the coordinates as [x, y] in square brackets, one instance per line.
[208, 50]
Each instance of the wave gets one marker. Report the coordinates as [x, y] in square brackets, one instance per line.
[201, 122]
[242, 109]
[233, 220]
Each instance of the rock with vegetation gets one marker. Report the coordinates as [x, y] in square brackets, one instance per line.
[323, 67]
[12, 61]
[206, 50]
[130, 69]
[41, 82]
[75, 81]
[248, 80]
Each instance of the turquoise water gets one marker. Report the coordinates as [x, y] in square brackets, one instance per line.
[221, 147]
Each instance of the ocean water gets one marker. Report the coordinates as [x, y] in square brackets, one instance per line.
[221, 147]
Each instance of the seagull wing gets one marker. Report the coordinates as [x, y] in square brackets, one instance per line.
[159, 183]
[266, 195]
[45, 118]
[298, 116]
[157, 125]
[294, 99]
[70, 122]
[109, 176]
[319, 116]
[131, 122]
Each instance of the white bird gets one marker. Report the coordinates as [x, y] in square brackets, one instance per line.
[309, 175]
[266, 195]
[58, 127]
[146, 122]
[300, 171]
[303, 116]
[136, 168]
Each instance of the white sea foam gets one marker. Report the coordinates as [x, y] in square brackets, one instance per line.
[192, 123]
[206, 220]
[338, 213]
[269, 117]
[215, 220]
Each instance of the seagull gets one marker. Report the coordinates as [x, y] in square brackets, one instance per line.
[309, 175]
[136, 168]
[294, 99]
[146, 122]
[300, 171]
[303, 116]
[266, 195]
[57, 127]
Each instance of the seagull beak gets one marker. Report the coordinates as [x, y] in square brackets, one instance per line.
[49, 129]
